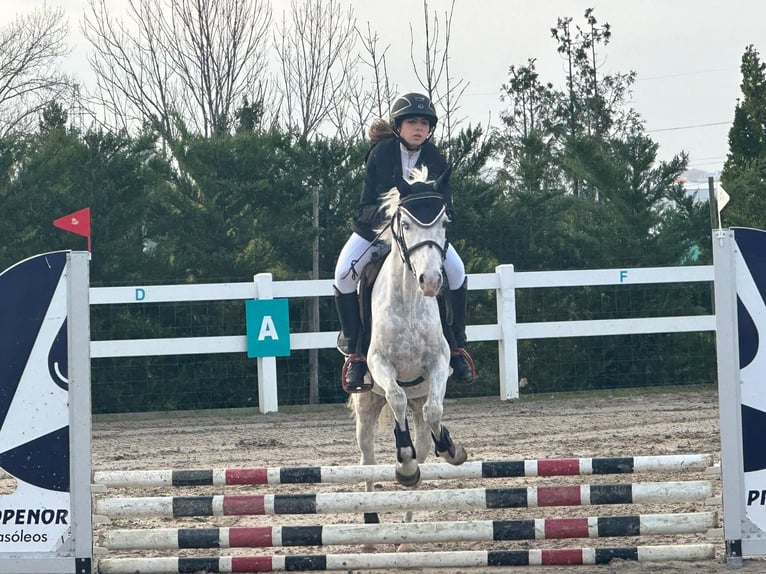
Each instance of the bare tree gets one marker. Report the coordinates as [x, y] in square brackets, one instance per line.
[367, 98]
[315, 48]
[188, 60]
[30, 49]
[351, 115]
[382, 89]
[434, 72]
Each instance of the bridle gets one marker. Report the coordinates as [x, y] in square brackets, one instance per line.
[405, 251]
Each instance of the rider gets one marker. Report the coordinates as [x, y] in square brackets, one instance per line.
[397, 147]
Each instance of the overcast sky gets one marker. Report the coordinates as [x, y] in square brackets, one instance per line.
[686, 54]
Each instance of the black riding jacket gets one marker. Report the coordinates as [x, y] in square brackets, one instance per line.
[384, 171]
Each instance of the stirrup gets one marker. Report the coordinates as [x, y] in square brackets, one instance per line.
[460, 355]
[355, 361]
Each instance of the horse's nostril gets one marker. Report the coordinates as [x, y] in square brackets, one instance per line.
[422, 279]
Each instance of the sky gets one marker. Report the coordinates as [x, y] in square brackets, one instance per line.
[686, 54]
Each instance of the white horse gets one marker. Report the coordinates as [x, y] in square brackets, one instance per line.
[408, 356]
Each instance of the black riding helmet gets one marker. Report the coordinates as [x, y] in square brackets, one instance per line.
[413, 104]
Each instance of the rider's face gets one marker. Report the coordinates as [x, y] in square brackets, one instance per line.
[415, 130]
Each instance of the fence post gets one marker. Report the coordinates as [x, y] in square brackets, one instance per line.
[507, 346]
[267, 366]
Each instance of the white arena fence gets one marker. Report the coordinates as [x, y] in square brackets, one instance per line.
[505, 281]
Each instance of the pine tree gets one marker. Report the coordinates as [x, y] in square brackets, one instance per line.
[745, 168]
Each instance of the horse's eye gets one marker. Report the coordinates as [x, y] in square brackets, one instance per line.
[405, 225]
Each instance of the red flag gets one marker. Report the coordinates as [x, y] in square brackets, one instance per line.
[77, 222]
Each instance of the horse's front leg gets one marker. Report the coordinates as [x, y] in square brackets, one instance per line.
[420, 428]
[422, 444]
[433, 410]
[407, 471]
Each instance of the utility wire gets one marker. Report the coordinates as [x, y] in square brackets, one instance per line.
[688, 127]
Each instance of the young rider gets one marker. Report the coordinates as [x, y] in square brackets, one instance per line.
[397, 147]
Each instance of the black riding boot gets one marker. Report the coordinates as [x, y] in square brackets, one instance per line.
[463, 370]
[355, 367]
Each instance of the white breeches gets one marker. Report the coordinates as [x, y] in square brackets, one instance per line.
[356, 253]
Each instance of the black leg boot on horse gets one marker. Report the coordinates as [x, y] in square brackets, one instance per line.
[355, 367]
[463, 369]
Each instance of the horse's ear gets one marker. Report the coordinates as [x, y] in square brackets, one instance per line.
[442, 182]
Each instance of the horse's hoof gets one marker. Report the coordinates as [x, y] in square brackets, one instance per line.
[404, 548]
[460, 456]
[408, 480]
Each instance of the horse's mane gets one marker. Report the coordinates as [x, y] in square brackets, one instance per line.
[390, 199]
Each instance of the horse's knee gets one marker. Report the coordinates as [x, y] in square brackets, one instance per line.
[397, 400]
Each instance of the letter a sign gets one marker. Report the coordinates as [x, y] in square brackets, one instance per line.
[268, 328]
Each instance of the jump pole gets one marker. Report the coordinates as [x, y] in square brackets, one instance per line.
[356, 502]
[396, 560]
[411, 532]
[386, 472]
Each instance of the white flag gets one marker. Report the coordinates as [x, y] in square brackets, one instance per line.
[721, 197]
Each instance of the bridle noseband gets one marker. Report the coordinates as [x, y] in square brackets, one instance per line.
[397, 232]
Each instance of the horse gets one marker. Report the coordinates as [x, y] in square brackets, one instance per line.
[408, 355]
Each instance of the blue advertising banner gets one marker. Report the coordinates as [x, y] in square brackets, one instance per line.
[34, 410]
[750, 266]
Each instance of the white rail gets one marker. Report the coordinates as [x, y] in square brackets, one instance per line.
[507, 332]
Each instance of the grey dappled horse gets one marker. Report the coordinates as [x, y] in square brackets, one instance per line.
[408, 356]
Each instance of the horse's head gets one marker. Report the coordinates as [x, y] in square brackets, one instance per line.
[419, 227]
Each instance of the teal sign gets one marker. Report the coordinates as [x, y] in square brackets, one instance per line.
[268, 328]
